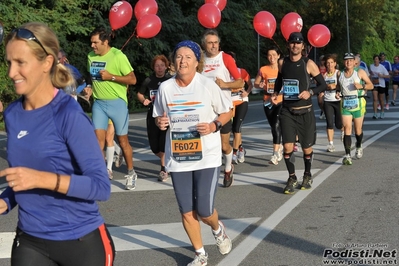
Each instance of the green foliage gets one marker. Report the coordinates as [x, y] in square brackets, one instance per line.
[372, 30]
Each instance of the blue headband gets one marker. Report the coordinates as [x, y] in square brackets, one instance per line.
[192, 45]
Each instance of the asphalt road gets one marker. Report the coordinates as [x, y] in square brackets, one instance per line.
[351, 214]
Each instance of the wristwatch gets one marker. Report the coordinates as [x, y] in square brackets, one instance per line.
[218, 125]
[113, 78]
[311, 92]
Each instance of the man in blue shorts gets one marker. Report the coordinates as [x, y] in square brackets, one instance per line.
[110, 73]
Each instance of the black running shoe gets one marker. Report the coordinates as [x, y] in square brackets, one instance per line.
[307, 181]
[228, 177]
[292, 183]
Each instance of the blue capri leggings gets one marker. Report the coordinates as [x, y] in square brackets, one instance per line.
[196, 190]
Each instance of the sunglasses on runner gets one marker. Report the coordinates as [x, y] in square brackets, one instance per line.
[28, 35]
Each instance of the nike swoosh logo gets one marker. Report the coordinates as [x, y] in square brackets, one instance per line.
[209, 70]
[22, 134]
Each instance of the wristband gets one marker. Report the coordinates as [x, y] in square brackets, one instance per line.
[57, 186]
[218, 125]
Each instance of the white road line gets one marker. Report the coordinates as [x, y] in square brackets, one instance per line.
[150, 236]
[239, 253]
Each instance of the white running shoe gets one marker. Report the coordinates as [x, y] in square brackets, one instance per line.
[131, 181]
[280, 153]
[241, 154]
[223, 241]
[199, 260]
[359, 152]
[118, 159]
[273, 160]
[330, 148]
[235, 158]
[163, 176]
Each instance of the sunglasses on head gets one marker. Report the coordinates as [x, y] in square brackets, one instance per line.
[28, 35]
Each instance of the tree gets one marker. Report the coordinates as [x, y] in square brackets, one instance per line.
[73, 20]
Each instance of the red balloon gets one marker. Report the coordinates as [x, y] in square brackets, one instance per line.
[145, 7]
[265, 24]
[120, 14]
[290, 23]
[319, 35]
[148, 26]
[221, 4]
[209, 16]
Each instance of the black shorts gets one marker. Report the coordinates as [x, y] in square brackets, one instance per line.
[156, 137]
[94, 249]
[302, 125]
[380, 90]
[238, 119]
[395, 83]
[226, 128]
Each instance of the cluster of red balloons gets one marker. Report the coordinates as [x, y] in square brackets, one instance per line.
[120, 15]
[265, 25]
[148, 23]
[209, 14]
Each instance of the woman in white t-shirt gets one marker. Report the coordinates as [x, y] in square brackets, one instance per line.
[378, 73]
[192, 108]
[332, 100]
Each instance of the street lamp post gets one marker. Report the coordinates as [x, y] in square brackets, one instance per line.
[347, 26]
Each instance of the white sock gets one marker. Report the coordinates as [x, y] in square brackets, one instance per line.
[228, 159]
[331, 142]
[217, 231]
[200, 251]
[109, 153]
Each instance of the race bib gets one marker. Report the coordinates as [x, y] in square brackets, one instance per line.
[153, 94]
[375, 80]
[186, 146]
[291, 89]
[268, 103]
[95, 68]
[270, 85]
[351, 103]
[329, 93]
[236, 96]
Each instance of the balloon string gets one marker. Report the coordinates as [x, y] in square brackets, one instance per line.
[308, 51]
[131, 36]
[281, 51]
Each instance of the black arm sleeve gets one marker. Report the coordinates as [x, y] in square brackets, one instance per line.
[321, 84]
[279, 83]
[143, 88]
[88, 79]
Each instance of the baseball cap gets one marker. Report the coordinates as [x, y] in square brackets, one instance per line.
[295, 37]
[349, 56]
